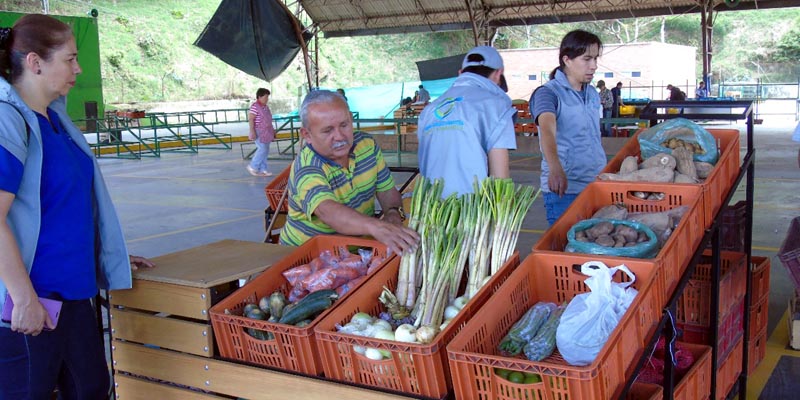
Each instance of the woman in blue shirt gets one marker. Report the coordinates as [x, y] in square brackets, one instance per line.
[60, 237]
[567, 109]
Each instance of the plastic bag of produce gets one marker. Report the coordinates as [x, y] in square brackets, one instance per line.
[589, 236]
[591, 317]
[655, 139]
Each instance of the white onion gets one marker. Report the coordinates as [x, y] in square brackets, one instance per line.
[461, 301]
[405, 333]
[425, 334]
[373, 354]
[450, 312]
[361, 318]
[382, 324]
[383, 334]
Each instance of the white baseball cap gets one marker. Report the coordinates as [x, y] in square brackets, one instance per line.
[491, 58]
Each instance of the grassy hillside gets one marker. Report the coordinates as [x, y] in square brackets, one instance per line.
[147, 53]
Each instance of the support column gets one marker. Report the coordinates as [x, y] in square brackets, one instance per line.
[707, 29]
[482, 33]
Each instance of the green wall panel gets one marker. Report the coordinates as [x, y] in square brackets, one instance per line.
[89, 85]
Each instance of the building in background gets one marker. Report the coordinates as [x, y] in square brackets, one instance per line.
[644, 68]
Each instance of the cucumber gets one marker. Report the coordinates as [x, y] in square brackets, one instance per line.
[526, 328]
[321, 293]
[307, 308]
[543, 344]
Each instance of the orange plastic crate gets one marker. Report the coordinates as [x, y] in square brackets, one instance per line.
[760, 272]
[473, 353]
[759, 314]
[645, 391]
[417, 369]
[758, 349]
[731, 328]
[694, 306]
[696, 383]
[293, 349]
[728, 370]
[673, 256]
[274, 190]
[715, 187]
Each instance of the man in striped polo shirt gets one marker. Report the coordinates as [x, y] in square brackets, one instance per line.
[336, 178]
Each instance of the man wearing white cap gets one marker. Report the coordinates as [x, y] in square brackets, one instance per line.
[467, 131]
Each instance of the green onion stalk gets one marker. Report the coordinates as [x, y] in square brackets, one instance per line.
[401, 302]
[511, 204]
[481, 238]
[442, 244]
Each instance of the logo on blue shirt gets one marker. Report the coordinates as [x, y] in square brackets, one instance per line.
[447, 107]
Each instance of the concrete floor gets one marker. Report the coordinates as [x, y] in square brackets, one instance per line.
[185, 200]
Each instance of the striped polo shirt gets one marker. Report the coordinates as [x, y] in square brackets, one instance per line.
[314, 179]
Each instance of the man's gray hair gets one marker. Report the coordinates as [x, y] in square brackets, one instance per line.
[318, 97]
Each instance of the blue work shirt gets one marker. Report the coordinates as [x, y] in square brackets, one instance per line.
[64, 266]
[580, 149]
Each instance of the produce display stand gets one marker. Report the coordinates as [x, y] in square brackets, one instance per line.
[161, 337]
[711, 110]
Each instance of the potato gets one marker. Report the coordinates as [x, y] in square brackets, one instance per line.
[658, 160]
[599, 229]
[656, 196]
[642, 237]
[605, 240]
[631, 244]
[614, 211]
[640, 195]
[628, 233]
[681, 178]
[619, 240]
[685, 164]
[703, 169]
[629, 164]
[654, 174]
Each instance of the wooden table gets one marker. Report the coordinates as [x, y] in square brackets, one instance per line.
[162, 342]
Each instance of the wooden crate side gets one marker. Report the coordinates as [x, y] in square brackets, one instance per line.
[231, 379]
[130, 388]
[170, 333]
[179, 300]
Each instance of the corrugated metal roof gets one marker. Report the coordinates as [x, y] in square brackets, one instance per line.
[356, 18]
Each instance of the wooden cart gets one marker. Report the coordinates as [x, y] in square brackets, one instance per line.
[162, 342]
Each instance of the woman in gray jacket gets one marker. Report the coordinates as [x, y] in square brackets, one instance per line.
[60, 238]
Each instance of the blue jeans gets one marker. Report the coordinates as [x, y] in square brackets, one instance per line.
[71, 358]
[605, 128]
[554, 206]
[259, 161]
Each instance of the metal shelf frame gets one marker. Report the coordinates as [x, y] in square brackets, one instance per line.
[657, 111]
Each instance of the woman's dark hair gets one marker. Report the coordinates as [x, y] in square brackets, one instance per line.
[481, 70]
[32, 33]
[261, 91]
[575, 44]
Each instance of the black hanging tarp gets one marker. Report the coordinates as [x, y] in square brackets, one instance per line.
[439, 68]
[255, 36]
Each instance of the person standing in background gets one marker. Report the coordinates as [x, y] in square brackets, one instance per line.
[423, 96]
[567, 111]
[675, 94]
[616, 92]
[607, 101]
[261, 132]
[466, 132]
[701, 92]
[341, 92]
[60, 238]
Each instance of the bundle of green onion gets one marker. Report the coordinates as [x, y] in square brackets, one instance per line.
[477, 232]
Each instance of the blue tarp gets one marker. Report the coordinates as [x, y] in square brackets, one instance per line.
[380, 101]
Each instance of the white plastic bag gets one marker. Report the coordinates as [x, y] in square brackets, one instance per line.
[591, 317]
